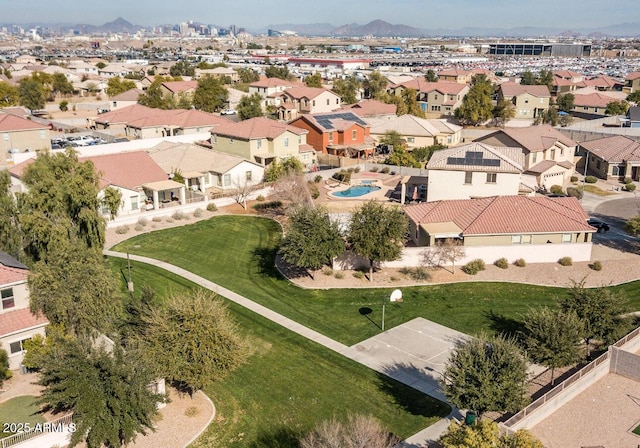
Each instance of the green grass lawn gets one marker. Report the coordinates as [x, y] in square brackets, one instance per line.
[290, 383]
[19, 410]
[238, 253]
[637, 430]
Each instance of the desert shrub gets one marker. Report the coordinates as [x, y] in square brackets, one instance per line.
[420, 273]
[393, 279]
[385, 170]
[143, 221]
[342, 176]
[356, 169]
[191, 411]
[556, 189]
[313, 189]
[574, 178]
[157, 219]
[169, 220]
[405, 271]
[358, 274]
[630, 187]
[565, 261]
[574, 192]
[474, 266]
[211, 207]
[197, 213]
[520, 262]
[327, 271]
[502, 263]
[121, 230]
[591, 179]
[350, 170]
[374, 169]
[627, 180]
[267, 205]
[596, 266]
[179, 216]
[316, 179]
[339, 275]
[139, 228]
[260, 198]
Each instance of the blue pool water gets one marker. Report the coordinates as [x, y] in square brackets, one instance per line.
[355, 191]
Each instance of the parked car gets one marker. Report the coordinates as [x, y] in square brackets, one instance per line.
[600, 225]
[228, 112]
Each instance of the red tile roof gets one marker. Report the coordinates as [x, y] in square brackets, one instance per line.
[535, 138]
[9, 122]
[633, 75]
[18, 320]
[592, 100]
[505, 215]
[273, 82]
[183, 118]
[368, 108]
[421, 85]
[305, 92]
[614, 149]
[511, 89]
[12, 275]
[180, 86]
[259, 127]
[128, 169]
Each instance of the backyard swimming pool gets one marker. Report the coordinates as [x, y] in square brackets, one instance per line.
[355, 191]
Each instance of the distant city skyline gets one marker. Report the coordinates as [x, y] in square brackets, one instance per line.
[425, 14]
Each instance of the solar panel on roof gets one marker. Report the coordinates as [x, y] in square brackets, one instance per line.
[347, 116]
[473, 159]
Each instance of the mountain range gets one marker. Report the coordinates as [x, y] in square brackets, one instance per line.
[380, 28]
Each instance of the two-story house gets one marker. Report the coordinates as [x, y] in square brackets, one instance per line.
[529, 101]
[17, 322]
[306, 100]
[340, 133]
[418, 132]
[18, 134]
[263, 140]
[435, 98]
[455, 75]
[178, 89]
[266, 87]
[549, 154]
[632, 83]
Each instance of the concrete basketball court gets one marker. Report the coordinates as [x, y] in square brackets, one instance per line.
[414, 353]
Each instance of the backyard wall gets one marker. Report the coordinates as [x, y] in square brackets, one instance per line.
[625, 364]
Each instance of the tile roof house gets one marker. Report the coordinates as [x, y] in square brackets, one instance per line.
[306, 100]
[477, 170]
[125, 99]
[613, 157]
[436, 99]
[204, 169]
[632, 83]
[341, 133]
[218, 72]
[529, 101]
[17, 323]
[178, 89]
[263, 140]
[538, 229]
[18, 134]
[549, 154]
[373, 109]
[589, 104]
[455, 75]
[269, 86]
[418, 132]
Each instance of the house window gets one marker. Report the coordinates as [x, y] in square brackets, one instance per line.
[553, 154]
[7, 298]
[354, 134]
[18, 346]
[566, 237]
[618, 170]
[134, 202]
[219, 180]
[561, 151]
[435, 108]
[516, 239]
[43, 135]
[491, 178]
[286, 142]
[526, 101]
[227, 180]
[449, 140]
[259, 143]
[598, 164]
[468, 176]
[411, 140]
[435, 97]
[330, 136]
[313, 103]
[534, 157]
[337, 100]
[5, 137]
[526, 239]
[248, 175]
[328, 101]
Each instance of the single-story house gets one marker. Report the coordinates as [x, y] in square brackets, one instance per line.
[613, 157]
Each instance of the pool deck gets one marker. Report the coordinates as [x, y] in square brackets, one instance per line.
[384, 182]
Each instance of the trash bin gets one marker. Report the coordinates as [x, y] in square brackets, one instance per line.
[470, 418]
[23, 369]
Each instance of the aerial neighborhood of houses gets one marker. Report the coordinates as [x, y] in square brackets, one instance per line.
[492, 154]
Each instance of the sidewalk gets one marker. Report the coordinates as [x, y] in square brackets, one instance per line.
[421, 439]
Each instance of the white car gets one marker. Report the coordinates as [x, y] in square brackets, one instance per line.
[228, 112]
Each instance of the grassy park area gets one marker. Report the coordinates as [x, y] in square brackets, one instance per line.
[290, 383]
[20, 410]
[238, 253]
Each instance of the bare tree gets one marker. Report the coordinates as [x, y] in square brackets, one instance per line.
[450, 250]
[243, 187]
[359, 431]
[292, 188]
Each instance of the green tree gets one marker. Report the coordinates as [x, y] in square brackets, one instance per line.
[393, 139]
[154, 98]
[431, 76]
[60, 204]
[377, 233]
[486, 374]
[31, 93]
[375, 84]
[600, 311]
[347, 89]
[75, 287]
[210, 95]
[565, 102]
[101, 65]
[273, 71]
[485, 434]
[112, 199]
[617, 108]
[191, 340]
[424, 153]
[247, 75]
[477, 106]
[545, 78]
[633, 97]
[5, 373]
[116, 86]
[312, 240]
[277, 170]
[528, 78]
[401, 157]
[503, 112]
[250, 106]
[632, 226]
[60, 84]
[314, 80]
[9, 95]
[107, 392]
[10, 234]
[552, 338]
[410, 99]
[182, 68]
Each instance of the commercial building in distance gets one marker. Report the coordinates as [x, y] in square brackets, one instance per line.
[539, 49]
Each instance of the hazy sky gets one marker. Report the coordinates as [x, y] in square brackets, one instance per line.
[432, 14]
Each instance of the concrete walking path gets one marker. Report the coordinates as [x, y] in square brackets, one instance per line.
[425, 384]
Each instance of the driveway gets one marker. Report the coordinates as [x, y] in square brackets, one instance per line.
[615, 212]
